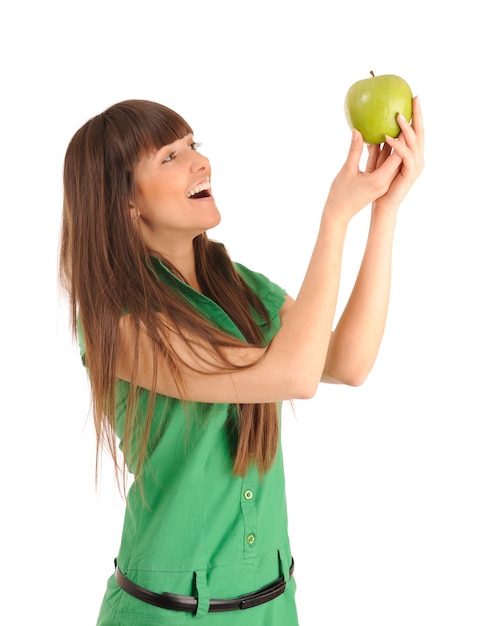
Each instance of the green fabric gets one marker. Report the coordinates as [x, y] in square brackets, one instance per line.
[204, 532]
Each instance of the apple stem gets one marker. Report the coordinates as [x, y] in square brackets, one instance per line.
[372, 73]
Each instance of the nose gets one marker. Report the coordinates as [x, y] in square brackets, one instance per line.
[200, 162]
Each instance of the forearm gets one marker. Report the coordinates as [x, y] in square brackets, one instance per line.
[305, 349]
[303, 340]
[357, 337]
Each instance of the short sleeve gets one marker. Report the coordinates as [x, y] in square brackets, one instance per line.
[272, 295]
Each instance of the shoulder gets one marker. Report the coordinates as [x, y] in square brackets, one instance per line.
[274, 298]
[259, 283]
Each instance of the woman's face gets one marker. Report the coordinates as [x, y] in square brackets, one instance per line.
[173, 200]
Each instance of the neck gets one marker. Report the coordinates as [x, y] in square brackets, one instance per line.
[184, 261]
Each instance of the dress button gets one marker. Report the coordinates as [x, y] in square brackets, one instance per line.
[248, 495]
[250, 539]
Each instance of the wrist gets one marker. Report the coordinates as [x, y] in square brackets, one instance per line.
[384, 210]
[335, 216]
[333, 226]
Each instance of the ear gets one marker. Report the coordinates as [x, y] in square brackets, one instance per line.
[134, 213]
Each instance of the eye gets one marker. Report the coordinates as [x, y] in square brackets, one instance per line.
[195, 145]
[169, 157]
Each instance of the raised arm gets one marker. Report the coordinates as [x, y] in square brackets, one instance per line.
[355, 343]
[292, 365]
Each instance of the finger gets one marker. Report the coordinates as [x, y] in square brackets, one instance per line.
[406, 140]
[390, 165]
[410, 153]
[355, 150]
[414, 132]
[372, 159]
[417, 122]
[383, 176]
[407, 137]
[406, 129]
[384, 153]
[399, 146]
[401, 139]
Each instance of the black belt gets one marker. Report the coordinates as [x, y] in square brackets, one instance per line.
[176, 602]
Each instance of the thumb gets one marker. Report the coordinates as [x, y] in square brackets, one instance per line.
[355, 150]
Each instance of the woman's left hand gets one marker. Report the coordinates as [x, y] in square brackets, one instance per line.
[409, 146]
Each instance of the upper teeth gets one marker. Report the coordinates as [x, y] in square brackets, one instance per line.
[202, 187]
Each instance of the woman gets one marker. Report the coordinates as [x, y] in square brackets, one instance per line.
[191, 355]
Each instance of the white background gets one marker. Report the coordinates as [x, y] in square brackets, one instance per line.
[383, 480]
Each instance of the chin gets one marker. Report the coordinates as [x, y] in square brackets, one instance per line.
[215, 221]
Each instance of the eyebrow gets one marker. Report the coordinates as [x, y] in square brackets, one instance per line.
[155, 155]
[168, 148]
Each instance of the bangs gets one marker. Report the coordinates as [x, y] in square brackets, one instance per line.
[143, 127]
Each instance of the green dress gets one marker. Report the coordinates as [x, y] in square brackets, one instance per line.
[200, 530]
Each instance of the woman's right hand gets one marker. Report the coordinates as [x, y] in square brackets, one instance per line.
[353, 189]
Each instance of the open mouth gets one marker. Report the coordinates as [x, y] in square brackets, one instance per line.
[201, 194]
[202, 190]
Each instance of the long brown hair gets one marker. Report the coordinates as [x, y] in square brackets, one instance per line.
[104, 268]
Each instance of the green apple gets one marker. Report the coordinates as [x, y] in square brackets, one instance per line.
[373, 104]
